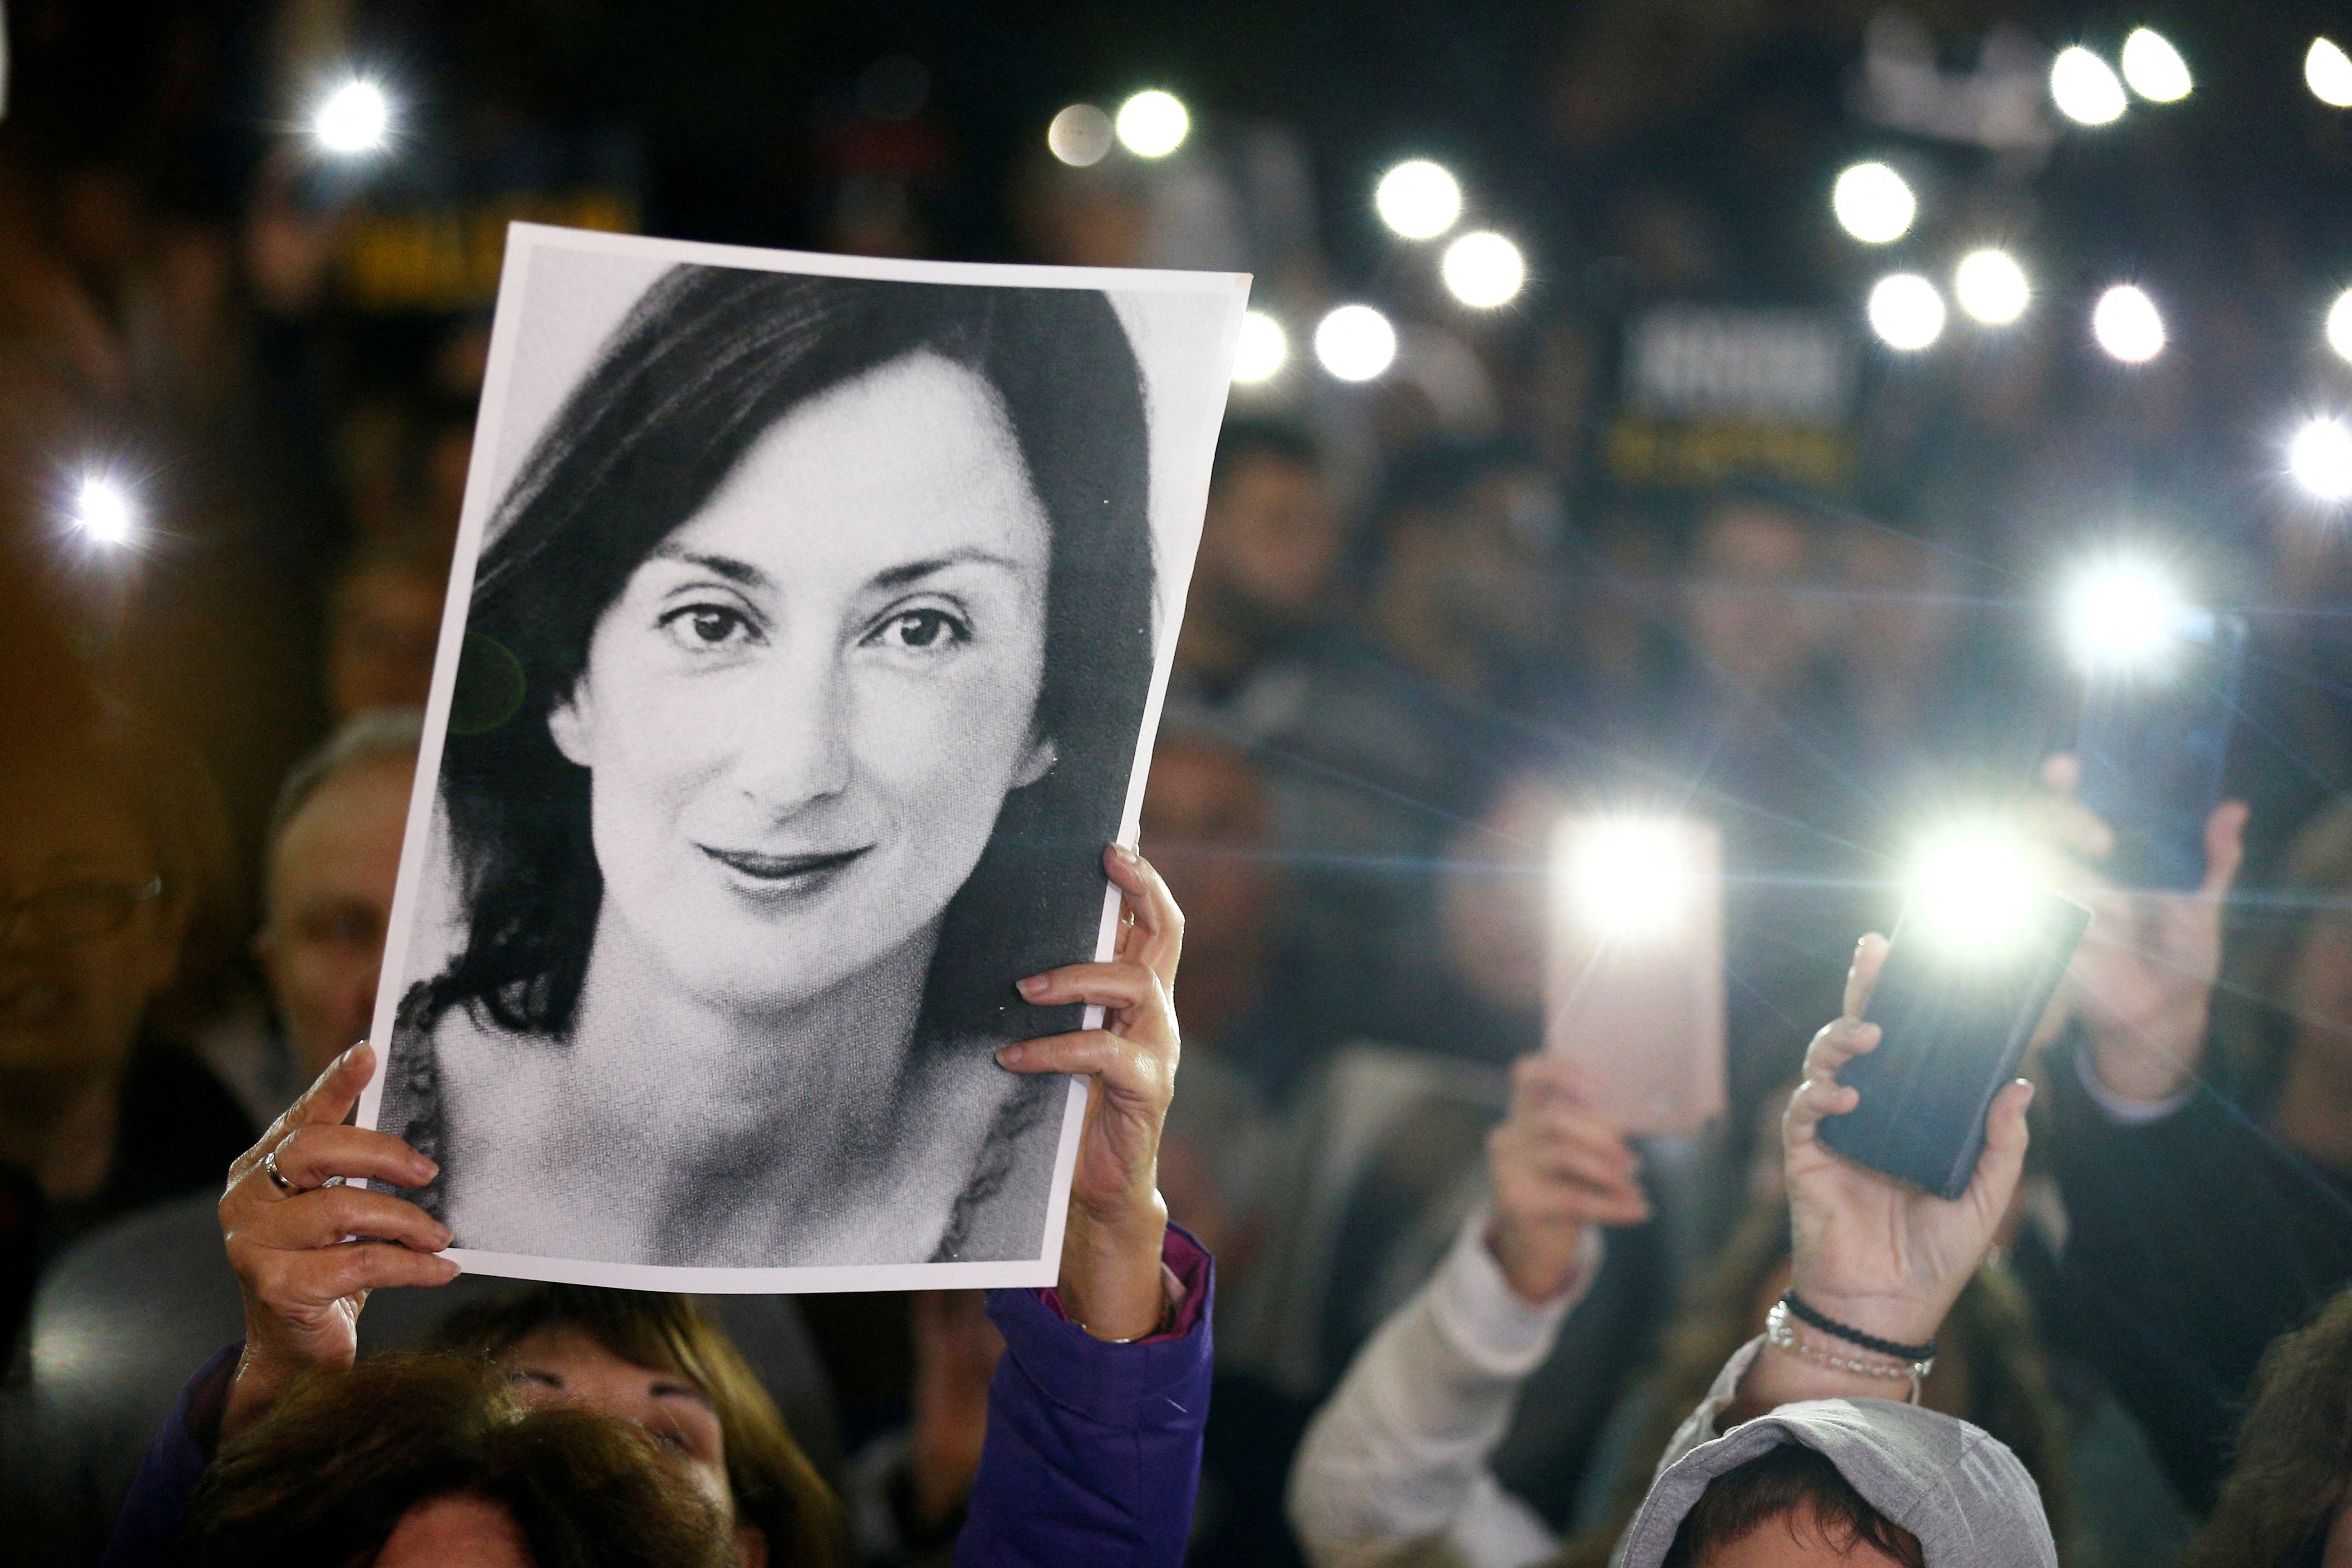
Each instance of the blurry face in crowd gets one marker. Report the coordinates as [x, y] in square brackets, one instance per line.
[1204, 827]
[1748, 617]
[1794, 1540]
[1272, 538]
[805, 709]
[1493, 902]
[330, 882]
[76, 974]
[1493, 582]
[566, 1366]
[380, 646]
[2319, 985]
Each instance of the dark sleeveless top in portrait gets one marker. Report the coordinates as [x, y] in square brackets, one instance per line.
[998, 1216]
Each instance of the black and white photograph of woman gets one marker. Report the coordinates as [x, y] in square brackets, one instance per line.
[812, 630]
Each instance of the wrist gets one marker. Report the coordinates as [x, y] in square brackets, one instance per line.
[1112, 1283]
[1894, 1316]
[1539, 1271]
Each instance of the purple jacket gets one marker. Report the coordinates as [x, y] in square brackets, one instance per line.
[1093, 1452]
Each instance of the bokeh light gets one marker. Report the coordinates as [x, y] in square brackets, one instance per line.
[1418, 200]
[1153, 123]
[355, 118]
[2085, 87]
[2339, 324]
[1355, 342]
[1873, 203]
[1991, 287]
[1906, 311]
[2153, 68]
[1484, 270]
[2121, 615]
[2320, 458]
[102, 509]
[2327, 72]
[2127, 325]
[1262, 350]
[1080, 135]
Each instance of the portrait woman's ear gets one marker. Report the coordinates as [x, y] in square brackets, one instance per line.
[570, 722]
[1040, 761]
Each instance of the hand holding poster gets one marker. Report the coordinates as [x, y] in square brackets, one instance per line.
[806, 634]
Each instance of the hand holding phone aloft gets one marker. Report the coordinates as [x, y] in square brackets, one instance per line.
[1868, 1249]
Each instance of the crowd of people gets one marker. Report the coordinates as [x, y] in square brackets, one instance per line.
[1458, 1317]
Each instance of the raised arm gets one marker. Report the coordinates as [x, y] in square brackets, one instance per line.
[1399, 1453]
[1096, 1412]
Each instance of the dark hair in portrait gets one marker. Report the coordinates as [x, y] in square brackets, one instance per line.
[709, 359]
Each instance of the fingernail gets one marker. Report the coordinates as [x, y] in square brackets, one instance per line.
[430, 1169]
[1034, 985]
[1009, 1055]
[1124, 853]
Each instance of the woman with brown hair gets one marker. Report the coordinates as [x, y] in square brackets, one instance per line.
[2283, 1506]
[659, 1363]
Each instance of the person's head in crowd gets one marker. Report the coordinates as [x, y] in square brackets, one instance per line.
[384, 624]
[1494, 897]
[2284, 1504]
[1895, 619]
[330, 864]
[1205, 826]
[1750, 613]
[1270, 547]
[1790, 1506]
[2287, 1018]
[109, 834]
[658, 1361]
[1097, 215]
[1988, 1368]
[1464, 581]
[420, 1460]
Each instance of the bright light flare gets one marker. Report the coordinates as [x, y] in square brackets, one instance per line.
[2153, 68]
[2126, 324]
[1484, 270]
[354, 119]
[1993, 287]
[2122, 615]
[1355, 342]
[2320, 458]
[1418, 200]
[1972, 892]
[1626, 877]
[1263, 349]
[2085, 87]
[1153, 123]
[2327, 71]
[102, 509]
[1080, 136]
[1906, 312]
[1873, 203]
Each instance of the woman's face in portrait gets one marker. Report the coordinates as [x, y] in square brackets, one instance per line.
[806, 706]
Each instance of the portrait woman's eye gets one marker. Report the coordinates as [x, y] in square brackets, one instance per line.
[920, 628]
[703, 628]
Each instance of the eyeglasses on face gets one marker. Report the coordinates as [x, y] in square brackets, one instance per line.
[73, 913]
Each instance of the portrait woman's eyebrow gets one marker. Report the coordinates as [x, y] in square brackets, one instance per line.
[799, 692]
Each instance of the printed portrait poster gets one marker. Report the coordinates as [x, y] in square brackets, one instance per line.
[808, 629]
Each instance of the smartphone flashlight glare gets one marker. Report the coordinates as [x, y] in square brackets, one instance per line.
[1973, 893]
[1625, 878]
[2123, 616]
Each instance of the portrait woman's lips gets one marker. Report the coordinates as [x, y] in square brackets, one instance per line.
[785, 876]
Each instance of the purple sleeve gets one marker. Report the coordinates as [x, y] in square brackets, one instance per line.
[1094, 1450]
[148, 1529]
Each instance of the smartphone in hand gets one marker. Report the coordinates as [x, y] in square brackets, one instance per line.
[1634, 988]
[1956, 1007]
[2153, 744]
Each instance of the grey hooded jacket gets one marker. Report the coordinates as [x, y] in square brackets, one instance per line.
[1954, 1485]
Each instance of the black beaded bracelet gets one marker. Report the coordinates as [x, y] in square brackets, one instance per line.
[1855, 1336]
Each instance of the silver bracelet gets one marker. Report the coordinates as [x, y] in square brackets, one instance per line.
[1781, 1334]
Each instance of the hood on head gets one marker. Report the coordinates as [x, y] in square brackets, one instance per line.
[1954, 1485]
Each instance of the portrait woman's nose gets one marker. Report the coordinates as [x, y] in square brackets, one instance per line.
[795, 745]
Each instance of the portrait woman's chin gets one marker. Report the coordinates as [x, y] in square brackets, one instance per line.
[821, 617]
